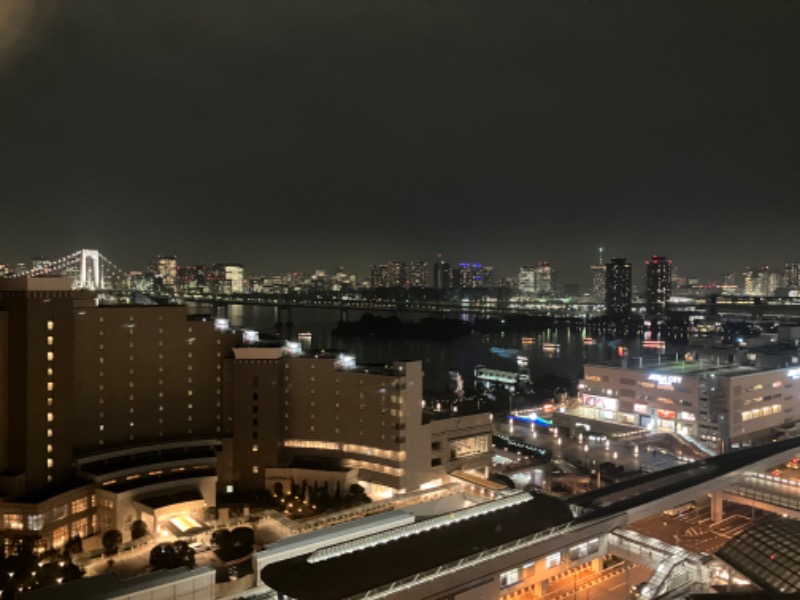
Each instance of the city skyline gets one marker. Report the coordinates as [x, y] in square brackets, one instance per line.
[427, 276]
[529, 133]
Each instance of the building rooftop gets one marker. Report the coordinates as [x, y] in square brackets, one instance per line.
[170, 499]
[110, 585]
[146, 458]
[395, 559]
[768, 553]
[681, 368]
[131, 484]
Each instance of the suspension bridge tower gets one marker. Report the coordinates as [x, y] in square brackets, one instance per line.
[90, 274]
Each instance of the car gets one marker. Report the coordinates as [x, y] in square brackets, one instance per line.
[681, 509]
[793, 464]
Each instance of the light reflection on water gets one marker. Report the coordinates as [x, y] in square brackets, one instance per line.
[439, 357]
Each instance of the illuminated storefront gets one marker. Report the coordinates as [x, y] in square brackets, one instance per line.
[723, 404]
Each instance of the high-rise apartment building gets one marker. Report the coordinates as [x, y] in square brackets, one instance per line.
[761, 281]
[474, 275]
[599, 279]
[380, 276]
[658, 285]
[417, 274]
[791, 277]
[618, 288]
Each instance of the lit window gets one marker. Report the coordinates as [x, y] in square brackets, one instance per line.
[255, 469]
[49, 433]
[50, 356]
[49, 340]
[49, 448]
[50, 386]
[49, 417]
[50, 325]
[49, 463]
[255, 448]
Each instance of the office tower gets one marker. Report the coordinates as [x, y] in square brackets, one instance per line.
[618, 288]
[544, 279]
[442, 275]
[527, 279]
[658, 274]
[226, 278]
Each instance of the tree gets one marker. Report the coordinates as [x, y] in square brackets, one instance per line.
[172, 555]
[184, 554]
[138, 529]
[163, 556]
[74, 545]
[111, 541]
[222, 538]
[244, 536]
[211, 513]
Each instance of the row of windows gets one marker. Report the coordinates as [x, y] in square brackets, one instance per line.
[50, 398]
[757, 413]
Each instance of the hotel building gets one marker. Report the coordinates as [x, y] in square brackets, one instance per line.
[112, 414]
[102, 407]
[322, 413]
[727, 405]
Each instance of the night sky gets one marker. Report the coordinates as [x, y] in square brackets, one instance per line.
[315, 133]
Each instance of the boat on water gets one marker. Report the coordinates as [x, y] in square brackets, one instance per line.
[528, 341]
[551, 347]
[522, 361]
[504, 352]
[587, 341]
[306, 335]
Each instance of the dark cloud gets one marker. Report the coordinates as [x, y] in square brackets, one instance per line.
[302, 134]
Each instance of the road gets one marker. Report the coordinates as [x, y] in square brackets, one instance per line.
[694, 530]
[612, 584]
[590, 451]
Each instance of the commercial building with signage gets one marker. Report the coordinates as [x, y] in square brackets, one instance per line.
[724, 405]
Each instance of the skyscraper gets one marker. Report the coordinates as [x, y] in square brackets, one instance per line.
[474, 275]
[380, 276]
[599, 279]
[442, 275]
[167, 269]
[659, 285]
[544, 278]
[417, 274]
[618, 288]
[791, 277]
[527, 279]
